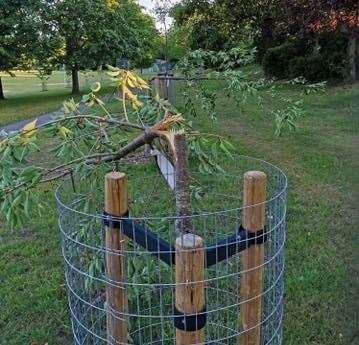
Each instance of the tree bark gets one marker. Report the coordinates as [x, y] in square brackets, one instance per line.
[353, 52]
[182, 187]
[75, 81]
[2, 96]
[267, 36]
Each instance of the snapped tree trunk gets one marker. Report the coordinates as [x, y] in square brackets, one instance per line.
[182, 186]
[2, 96]
[75, 81]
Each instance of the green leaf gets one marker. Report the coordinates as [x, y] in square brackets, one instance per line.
[29, 173]
[86, 98]
[27, 204]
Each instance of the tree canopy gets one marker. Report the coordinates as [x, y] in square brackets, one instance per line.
[224, 24]
[81, 34]
[19, 28]
[268, 18]
[96, 32]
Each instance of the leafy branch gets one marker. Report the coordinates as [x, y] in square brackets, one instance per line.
[89, 134]
[239, 81]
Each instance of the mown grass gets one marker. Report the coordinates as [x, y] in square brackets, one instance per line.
[24, 98]
[320, 158]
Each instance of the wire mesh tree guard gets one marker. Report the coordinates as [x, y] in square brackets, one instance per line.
[131, 280]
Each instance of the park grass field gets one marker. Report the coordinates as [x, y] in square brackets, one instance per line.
[320, 159]
[24, 98]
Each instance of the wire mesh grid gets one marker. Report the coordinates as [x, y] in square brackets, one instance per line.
[150, 284]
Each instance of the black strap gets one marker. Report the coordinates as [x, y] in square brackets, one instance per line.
[158, 247]
[144, 237]
[258, 237]
[233, 244]
[189, 322]
[112, 221]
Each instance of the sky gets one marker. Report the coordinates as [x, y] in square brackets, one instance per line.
[149, 5]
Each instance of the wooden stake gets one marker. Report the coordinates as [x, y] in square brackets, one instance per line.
[116, 203]
[190, 295]
[158, 86]
[163, 88]
[155, 85]
[251, 285]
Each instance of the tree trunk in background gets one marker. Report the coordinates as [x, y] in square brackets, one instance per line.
[2, 96]
[352, 63]
[75, 81]
[353, 52]
[267, 36]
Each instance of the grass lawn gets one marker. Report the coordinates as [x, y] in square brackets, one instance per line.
[320, 158]
[24, 98]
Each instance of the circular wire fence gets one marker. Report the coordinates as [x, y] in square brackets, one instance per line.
[216, 200]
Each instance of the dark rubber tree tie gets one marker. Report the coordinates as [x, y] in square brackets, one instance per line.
[189, 322]
[163, 250]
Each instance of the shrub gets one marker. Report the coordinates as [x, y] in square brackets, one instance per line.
[334, 51]
[312, 68]
[276, 60]
[302, 58]
[297, 66]
[316, 67]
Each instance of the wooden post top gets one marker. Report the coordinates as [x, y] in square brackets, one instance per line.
[116, 193]
[254, 197]
[189, 241]
[115, 175]
[255, 176]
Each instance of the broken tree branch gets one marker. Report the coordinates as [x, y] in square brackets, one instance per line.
[146, 137]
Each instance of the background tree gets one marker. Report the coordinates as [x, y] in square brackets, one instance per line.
[221, 24]
[150, 40]
[96, 32]
[202, 22]
[17, 31]
[316, 18]
[179, 42]
[44, 54]
[319, 37]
